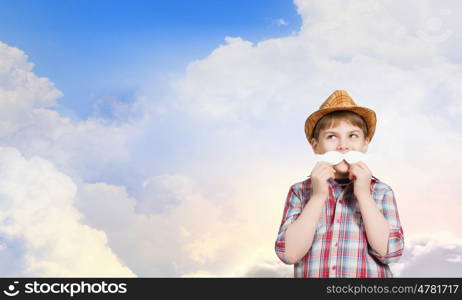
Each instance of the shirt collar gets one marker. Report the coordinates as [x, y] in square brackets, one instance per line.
[373, 179]
[332, 182]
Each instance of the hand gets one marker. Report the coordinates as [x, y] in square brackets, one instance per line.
[321, 172]
[360, 173]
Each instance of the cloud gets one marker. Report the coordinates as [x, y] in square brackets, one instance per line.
[42, 233]
[436, 254]
[270, 268]
[194, 235]
[37, 213]
[83, 149]
[432, 255]
[21, 90]
[281, 22]
[278, 22]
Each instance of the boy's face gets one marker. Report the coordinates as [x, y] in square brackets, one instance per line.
[342, 138]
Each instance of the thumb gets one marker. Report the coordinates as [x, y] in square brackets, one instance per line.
[350, 175]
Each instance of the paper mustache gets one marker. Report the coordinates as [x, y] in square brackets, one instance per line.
[335, 157]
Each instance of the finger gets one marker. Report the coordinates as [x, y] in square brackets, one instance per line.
[355, 171]
[361, 165]
[352, 168]
[331, 168]
[332, 174]
[328, 166]
[327, 169]
[351, 176]
[352, 172]
[357, 168]
[320, 169]
[366, 167]
[327, 174]
[361, 168]
[321, 165]
[356, 164]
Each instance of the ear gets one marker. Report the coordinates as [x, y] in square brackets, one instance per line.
[314, 144]
[366, 145]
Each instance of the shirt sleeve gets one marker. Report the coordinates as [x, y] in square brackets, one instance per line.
[395, 237]
[292, 209]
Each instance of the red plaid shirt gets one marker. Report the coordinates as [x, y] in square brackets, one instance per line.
[340, 247]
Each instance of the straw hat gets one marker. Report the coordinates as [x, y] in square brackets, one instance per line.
[340, 100]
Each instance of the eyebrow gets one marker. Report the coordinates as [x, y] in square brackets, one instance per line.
[335, 132]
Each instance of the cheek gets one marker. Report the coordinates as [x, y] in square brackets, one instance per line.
[328, 145]
[358, 144]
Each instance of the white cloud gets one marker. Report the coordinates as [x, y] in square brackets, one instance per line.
[37, 208]
[192, 233]
[270, 268]
[437, 254]
[20, 90]
[432, 255]
[84, 150]
[281, 22]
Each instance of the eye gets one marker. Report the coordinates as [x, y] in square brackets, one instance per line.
[328, 137]
[354, 134]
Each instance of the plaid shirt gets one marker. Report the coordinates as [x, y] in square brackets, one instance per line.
[340, 247]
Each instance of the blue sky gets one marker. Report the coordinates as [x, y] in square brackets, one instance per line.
[94, 50]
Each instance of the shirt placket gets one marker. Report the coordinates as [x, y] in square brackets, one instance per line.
[336, 227]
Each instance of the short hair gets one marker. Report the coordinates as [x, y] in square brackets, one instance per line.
[332, 119]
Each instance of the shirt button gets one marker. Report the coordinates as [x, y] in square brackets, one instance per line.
[336, 244]
[341, 202]
[334, 268]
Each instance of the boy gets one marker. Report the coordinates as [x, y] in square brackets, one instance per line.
[341, 221]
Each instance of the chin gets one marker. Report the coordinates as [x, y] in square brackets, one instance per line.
[342, 167]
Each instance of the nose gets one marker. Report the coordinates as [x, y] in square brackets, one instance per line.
[343, 146]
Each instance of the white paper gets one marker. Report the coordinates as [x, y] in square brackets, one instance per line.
[335, 157]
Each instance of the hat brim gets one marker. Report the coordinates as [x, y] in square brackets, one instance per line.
[367, 114]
